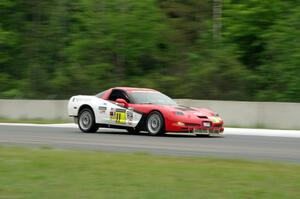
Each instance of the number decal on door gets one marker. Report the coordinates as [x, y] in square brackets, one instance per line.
[119, 116]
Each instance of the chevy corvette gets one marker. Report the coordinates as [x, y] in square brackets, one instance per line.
[141, 109]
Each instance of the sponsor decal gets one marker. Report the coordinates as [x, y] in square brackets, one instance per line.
[112, 114]
[102, 109]
[129, 115]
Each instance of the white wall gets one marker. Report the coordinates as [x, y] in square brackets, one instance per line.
[234, 113]
[32, 109]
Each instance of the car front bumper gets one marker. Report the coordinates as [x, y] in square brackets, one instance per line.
[197, 130]
[218, 132]
[212, 131]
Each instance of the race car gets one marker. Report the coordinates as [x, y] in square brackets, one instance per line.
[141, 109]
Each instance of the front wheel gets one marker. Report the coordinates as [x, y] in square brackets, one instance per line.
[86, 121]
[155, 123]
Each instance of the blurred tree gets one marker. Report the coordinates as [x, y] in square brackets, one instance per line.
[281, 66]
[58, 48]
[117, 40]
[245, 23]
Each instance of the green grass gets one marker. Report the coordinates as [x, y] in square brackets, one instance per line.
[34, 121]
[48, 173]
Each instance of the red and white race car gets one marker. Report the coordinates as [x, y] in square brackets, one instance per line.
[141, 109]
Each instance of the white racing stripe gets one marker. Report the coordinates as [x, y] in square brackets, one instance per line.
[65, 125]
[228, 131]
[263, 132]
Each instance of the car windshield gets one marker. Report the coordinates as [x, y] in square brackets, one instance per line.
[147, 97]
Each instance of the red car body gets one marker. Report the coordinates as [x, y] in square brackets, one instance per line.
[192, 119]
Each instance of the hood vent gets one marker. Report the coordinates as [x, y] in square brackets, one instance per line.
[203, 117]
[184, 108]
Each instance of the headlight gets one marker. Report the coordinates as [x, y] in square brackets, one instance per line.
[179, 124]
[178, 113]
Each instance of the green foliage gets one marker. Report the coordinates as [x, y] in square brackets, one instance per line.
[58, 48]
[282, 66]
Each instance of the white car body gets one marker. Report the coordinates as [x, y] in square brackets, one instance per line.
[105, 112]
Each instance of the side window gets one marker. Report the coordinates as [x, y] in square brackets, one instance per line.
[115, 94]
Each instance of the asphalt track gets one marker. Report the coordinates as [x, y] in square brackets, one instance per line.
[236, 143]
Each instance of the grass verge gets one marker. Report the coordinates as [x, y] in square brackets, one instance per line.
[48, 173]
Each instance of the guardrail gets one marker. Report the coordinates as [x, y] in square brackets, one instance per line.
[235, 113]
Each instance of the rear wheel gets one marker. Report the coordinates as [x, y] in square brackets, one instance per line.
[155, 123]
[86, 121]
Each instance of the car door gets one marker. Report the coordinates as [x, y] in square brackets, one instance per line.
[120, 115]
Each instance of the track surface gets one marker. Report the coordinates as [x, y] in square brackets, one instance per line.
[228, 146]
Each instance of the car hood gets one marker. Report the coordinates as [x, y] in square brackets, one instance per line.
[190, 110]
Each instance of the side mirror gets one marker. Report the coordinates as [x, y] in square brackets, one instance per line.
[122, 102]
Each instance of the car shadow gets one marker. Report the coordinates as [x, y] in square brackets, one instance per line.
[145, 134]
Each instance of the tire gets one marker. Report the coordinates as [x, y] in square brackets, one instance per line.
[86, 121]
[155, 124]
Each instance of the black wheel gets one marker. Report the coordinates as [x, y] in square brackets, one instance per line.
[155, 123]
[86, 121]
